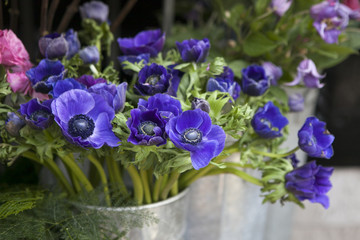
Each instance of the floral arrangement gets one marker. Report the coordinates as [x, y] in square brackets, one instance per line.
[173, 116]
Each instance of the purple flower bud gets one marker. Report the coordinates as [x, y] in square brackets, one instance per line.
[89, 55]
[53, 46]
[202, 104]
[14, 124]
[273, 72]
[254, 81]
[37, 115]
[308, 73]
[95, 10]
[194, 50]
[151, 42]
[294, 160]
[310, 182]
[315, 139]
[89, 80]
[280, 6]
[73, 43]
[296, 102]
[268, 121]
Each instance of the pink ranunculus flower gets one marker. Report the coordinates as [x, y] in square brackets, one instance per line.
[12, 51]
[19, 82]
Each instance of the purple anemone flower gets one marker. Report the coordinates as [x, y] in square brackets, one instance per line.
[175, 80]
[331, 18]
[310, 182]
[65, 85]
[146, 127]
[89, 55]
[150, 41]
[89, 80]
[167, 106]
[85, 119]
[13, 124]
[294, 160]
[53, 46]
[44, 75]
[296, 102]
[224, 83]
[193, 131]
[153, 79]
[114, 95]
[315, 139]
[307, 72]
[202, 104]
[280, 6]
[268, 121]
[194, 50]
[95, 10]
[37, 115]
[254, 80]
[73, 42]
[272, 72]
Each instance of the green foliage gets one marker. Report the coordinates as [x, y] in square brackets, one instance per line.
[14, 202]
[72, 66]
[258, 44]
[56, 218]
[110, 74]
[4, 85]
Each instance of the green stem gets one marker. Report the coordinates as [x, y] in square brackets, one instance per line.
[157, 186]
[164, 182]
[173, 178]
[275, 155]
[175, 189]
[70, 162]
[51, 165]
[200, 173]
[74, 179]
[145, 182]
[102, 174]
[138, 187]
[234, 164]
[236, 172]
[118, 181]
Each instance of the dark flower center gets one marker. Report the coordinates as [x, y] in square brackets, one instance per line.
[42, 87]
[81, 126]
[35, 116]
[147, 128]
[153, 79]
[192, 136]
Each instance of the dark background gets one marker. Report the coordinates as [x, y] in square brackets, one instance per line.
[338, 104]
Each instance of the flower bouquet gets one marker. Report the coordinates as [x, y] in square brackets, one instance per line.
[169, 118]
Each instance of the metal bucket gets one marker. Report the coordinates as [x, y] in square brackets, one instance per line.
[169, 215]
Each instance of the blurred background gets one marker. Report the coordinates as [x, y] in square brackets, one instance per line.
[338, 102]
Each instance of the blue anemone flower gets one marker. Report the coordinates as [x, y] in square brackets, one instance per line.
[310, 182]
[45, 74]
[167, 106]
[254, 80]
[65, 85]
[145, 57]
[149, 41]
[194, 50]
[95, 10]
[13, 124]
[114, 95]
[153, 79]
[268, 121]
[37, 115]
[89, 80]
[85, 119]
[146, 127]
[315, 139]
[193, 131]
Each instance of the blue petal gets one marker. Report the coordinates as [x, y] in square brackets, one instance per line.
[203, 156]
[103, 132]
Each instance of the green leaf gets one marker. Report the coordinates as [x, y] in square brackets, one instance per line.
[237, 66]
[257, 44]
